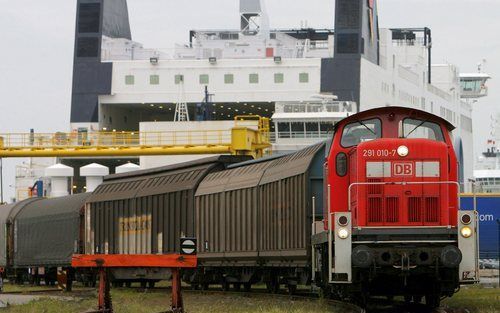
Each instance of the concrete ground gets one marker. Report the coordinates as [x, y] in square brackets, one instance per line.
[9, 299]
[489, 278]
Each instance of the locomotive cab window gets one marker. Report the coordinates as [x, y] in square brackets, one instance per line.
[414, 128]
[361, 131]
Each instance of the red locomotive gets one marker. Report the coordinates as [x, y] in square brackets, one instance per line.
[392, 220]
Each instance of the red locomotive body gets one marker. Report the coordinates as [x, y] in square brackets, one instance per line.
[392, 211]
[387, 189]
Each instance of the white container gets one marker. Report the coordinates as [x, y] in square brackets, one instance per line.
[59, 175]
[126, 168]
[94, 174]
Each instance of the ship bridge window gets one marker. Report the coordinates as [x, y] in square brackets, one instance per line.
[414, 128]
[303, 77]
[471, 85]
[361, 131]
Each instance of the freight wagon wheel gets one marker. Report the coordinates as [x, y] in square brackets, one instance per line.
[432, 301]
[225, 285]
[195, 287]
[204, 286]
[151, 284]
[128, 284]
[292, 289]
[237, 286]
[417, 299]
[247, 287]
[408, 299]
[273, 286]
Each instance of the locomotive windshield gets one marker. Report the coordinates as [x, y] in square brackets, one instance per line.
[361, 131]
[414, 128]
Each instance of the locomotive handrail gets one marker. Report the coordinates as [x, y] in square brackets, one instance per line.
[349, 190]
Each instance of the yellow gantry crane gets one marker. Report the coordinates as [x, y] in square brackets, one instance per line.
[249, 136]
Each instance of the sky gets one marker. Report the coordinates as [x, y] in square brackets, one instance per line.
[37, 37]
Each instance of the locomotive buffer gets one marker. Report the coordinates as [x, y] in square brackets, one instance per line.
[103, 262]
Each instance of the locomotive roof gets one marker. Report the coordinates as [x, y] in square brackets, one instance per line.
[411, 112]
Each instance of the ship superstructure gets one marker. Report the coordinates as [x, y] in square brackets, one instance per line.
[304, 79]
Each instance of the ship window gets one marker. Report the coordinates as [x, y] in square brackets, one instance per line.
[87, 47]
[326, 127]
[179, 78]
[361, 131]
[347, 43]
[229, 79]
[204, 79]
[312, 128]
[279, 78]
[304, 77]
[284, 130]
[298, 129]
[154, 79]
[88, 17]
[129, 80]
[253, 78]
[413, 128]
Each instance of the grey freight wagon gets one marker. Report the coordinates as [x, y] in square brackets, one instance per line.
[254, 220]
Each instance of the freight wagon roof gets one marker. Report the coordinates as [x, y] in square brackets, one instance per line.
[7, 214]
[224, 159]
[54, 206]
[47, 231]
[292, 164]
[10, 211]
[240, 177]
[160, 180]
[262, 171]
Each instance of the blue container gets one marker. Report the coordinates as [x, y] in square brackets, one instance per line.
[488, 207]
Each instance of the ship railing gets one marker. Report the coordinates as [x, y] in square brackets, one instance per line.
[438, 92]
[301, 135]
[114, 139]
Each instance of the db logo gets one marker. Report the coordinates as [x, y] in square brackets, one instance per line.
[403, 169]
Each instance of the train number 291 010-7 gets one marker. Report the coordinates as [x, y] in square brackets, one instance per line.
[379, 153]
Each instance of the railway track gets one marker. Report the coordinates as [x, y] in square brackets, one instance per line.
[377, 306]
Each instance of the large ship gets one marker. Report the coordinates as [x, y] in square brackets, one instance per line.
[303, 79]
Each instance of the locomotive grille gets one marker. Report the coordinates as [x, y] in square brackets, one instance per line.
[431, 210]
[392, 210]
[374, 189]
[375, 210]
[415, 210]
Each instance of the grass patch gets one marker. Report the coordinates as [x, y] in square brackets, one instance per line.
[476, 299]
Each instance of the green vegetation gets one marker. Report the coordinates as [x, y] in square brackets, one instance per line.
[477, 300]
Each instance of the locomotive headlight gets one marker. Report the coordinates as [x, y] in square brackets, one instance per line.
[466, 232]
[343, 233]
[466, 219]
[403, 151]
